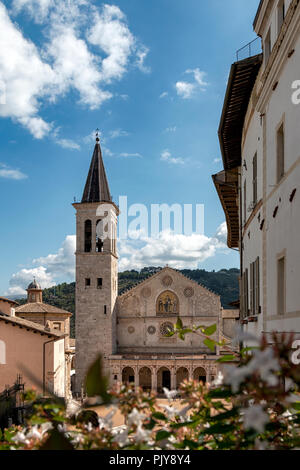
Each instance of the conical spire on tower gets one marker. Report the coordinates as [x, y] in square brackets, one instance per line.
[96, 186]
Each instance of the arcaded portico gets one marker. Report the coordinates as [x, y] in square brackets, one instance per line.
[154, 374]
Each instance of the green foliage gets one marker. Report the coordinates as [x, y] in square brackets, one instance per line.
[258, 414]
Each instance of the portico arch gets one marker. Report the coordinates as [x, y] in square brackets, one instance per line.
[128, 375]
[145, 378]
[181, 374]
[200, 375]
[163, 379]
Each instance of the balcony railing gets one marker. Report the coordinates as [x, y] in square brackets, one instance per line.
[249, 50]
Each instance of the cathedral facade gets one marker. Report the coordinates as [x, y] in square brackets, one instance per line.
[130, 330]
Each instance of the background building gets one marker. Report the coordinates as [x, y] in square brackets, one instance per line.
[260, 141]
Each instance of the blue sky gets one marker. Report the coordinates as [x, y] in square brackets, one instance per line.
[152, 76]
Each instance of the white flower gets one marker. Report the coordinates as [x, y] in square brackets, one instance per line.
[265, 363]
[135, 417]
[89, 427]
[34, 433]
[182, 413]
[121, 438]
[170, 411]
[141, 434]
[234, 376]
[255, 418]
[260, 445]
[106, 422]
[170, 394]
[20, 438]
[218, 380]
[241, 336]
[45, 427]
[62, 427]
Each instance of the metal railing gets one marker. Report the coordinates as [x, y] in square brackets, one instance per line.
[249, 50]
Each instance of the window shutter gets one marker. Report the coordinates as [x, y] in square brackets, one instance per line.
[257, 293]
[246, 293]
[251, 289]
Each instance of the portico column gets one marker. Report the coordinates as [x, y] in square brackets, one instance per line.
[136, 378]
[173, 378]
[154, 380]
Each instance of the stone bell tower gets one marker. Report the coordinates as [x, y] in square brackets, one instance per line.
[96, 270]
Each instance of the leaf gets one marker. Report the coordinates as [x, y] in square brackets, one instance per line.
[57, 441]
[96, 383]
[161, 435]
[160, 416]
[228, 358]
[210, 344]
[210, 330]
[219, 429]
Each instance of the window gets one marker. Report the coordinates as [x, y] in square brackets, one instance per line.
[280, 153]
[245, 202]
[281, 286]
[2, 353]
[115, 377]
[254, 288]
[99, 283]
[254, 167]
[57, 326]
[245, 301]
[87, 282]
[33, 297]
[267, 46]
[99, 236]
[280, 15]
[105, 309]
[88, 236]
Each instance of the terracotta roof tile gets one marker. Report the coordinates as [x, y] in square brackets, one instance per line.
[31, 326]
[39, 307]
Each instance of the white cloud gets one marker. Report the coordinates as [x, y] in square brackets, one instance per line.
[68, 144]
[179, 251]
[141, 54]
[131, 155]
[164, 94]
[166, 156]
[187, 90]
[20, 280]
[62, 262]
[111, 34]
[47, 270]
[11, 173]
[199, 77]
[118, 133]
[31, 75]
[171, 129]
[217, 160]
[38, 9]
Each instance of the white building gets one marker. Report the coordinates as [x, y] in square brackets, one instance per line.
[259, 187]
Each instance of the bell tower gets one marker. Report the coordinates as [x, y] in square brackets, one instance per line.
[96, 270]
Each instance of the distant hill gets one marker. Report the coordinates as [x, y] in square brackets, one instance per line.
[224, 283]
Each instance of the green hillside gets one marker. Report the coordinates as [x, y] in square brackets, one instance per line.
[223, 283]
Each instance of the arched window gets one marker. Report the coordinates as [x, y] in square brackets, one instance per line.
[99, 236]
[2, 352]
[88, 236]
